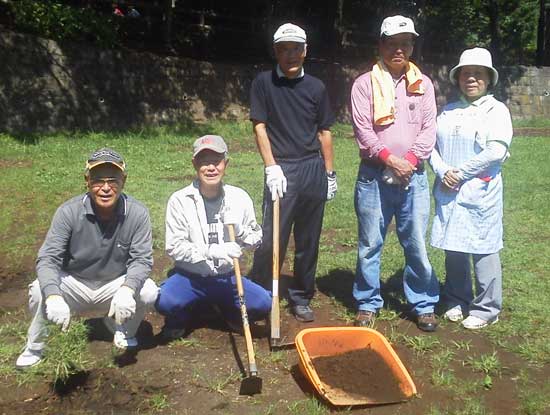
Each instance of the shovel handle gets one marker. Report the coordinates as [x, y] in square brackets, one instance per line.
[244, 315]
[275, 310]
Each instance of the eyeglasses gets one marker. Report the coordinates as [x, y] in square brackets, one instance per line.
[112, 182]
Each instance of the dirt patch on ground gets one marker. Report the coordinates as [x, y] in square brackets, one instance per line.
[202, 373]
[532, 132]
[8, 164]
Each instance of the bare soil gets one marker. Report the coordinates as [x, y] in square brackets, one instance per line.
[202, 373]
[343, 371]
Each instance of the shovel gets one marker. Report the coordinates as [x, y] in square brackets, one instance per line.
[275, 340]
[252, 384]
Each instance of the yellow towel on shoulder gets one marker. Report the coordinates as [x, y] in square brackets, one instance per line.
[383, 90]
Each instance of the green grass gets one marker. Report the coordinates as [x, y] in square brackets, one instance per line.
[41, 172]
[536, 122]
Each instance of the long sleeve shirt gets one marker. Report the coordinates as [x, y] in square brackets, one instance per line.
[187, 229]
[79, 244]
[410, 136]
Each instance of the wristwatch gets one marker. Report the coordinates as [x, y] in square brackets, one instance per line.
[331, 174]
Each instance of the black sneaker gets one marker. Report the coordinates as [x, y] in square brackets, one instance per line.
[303, 313]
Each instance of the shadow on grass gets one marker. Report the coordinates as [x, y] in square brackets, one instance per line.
[338, 284]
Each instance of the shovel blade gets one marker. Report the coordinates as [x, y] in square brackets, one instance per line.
[251, 385]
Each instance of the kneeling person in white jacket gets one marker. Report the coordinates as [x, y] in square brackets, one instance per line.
[97, 256]
[198, 242]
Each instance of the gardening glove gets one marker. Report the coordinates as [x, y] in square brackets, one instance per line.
[332, 185]
[58, 311]
[123, 305]
[275, 181]
[226, 251]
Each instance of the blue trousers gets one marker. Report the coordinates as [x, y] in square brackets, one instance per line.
[376, 203]
[181, 296]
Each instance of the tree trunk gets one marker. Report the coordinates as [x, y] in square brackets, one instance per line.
[541, 33]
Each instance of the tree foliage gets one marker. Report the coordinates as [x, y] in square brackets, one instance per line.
[337, 29]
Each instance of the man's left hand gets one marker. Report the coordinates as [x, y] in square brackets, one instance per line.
[332, 187]
[123, 305]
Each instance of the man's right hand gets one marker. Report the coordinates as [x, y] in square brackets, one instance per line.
[275, 181]
[58, 311]
[401, 169]
[226, 251]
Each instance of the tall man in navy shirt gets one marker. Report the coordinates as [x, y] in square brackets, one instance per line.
[291, 115]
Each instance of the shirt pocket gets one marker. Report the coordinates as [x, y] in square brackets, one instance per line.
[413, 109]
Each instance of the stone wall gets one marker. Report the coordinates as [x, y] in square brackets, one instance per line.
[47, 86]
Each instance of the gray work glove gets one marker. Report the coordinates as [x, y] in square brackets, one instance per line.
[123, 305]
[58, 311]
[332, 187]
[275, 180]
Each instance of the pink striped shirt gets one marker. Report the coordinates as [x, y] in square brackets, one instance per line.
[410, 136]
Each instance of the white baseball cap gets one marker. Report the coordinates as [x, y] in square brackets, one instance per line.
[478, 57]
[395, 25]
[290, 33]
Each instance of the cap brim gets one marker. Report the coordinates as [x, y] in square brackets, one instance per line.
[290, 39]
[90, 166]
[398, 33]
[209, 147]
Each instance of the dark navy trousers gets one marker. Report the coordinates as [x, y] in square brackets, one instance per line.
[181, 297]
[301, 211]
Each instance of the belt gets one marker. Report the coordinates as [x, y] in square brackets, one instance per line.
[193, 275]
[377, 164]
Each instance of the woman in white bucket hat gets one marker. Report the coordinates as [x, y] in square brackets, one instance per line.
[473, 138]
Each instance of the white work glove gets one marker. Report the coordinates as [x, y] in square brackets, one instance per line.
[58, 311]
[332, 186]
[123, 305]
[226, 251]
[275, 181]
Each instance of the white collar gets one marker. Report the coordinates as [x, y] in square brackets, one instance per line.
[281, 74]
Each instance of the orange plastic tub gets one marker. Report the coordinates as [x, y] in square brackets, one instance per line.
[329, 341]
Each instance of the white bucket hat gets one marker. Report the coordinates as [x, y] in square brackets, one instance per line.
[395, 25]
[478, 57]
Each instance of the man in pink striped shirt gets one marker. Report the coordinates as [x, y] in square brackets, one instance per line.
[393, 111]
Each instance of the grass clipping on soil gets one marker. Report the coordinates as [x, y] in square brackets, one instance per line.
[362, 374]
[66, 353]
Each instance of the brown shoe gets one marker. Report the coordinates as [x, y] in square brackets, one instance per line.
[364, 318]
[426, 322]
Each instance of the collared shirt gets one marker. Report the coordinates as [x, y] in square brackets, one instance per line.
[187, 229]
[80, 245]
[281, 74]
[413, 130]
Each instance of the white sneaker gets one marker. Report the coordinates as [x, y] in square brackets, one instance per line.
[120, 339]
[475, 323]
[28, 358]
[122, 342]
[454, 314]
